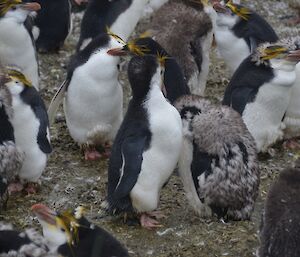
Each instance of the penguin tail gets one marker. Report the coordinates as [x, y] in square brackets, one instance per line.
[99, 134]
[56, 101]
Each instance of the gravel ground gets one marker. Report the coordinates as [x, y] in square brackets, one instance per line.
[69, 180]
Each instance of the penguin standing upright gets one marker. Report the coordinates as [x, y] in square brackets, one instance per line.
[280, 229]
[121, 16]
[10, 156]
[31, 126]
[238, 31]
[54, 24]
[218, 162]
[260, 90]
[16, 42]
[147, 146]
[70, 234]
[184, 29]
[93, 96]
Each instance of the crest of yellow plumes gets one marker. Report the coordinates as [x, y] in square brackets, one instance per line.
[110, 33]
[5, 5]
[14, 74]
[272, 52]
[242, 12]
[161, 59]
[68, 222]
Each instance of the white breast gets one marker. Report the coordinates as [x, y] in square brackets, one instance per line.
[94, 99]
[26, 127]
[263, 117]
[16, 48]
[233, 49]
[161, 158]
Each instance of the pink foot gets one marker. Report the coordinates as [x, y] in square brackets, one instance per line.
[91, 155]
[15, 187]
[31, 188]
[148, 222]
[291, 144]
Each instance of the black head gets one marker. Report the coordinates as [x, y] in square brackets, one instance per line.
[141, 71]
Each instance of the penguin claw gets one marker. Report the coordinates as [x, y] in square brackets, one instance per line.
[148, 222]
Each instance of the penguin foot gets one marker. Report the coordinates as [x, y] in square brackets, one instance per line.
[291, 144]
[15, 187]
[31, 188]
[91, 154]
[147, 221]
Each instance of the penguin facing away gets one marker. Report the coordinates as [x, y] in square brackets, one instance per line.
[174, 81]
[218, 161]
[54, 24]
[238, 31]
[16, 44]
[70, 234]
[184, 30]
[31, 126]
[260, 90]
[93, 96]
[280, 233]
[147, 146]
[121, 16]
[11, 157]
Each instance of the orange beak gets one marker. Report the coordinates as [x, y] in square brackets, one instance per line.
[44, 213]
[117, 51]
[33, 7]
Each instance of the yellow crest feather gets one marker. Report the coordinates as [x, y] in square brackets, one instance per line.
[5, 5]
[14, 74]
[241, 11]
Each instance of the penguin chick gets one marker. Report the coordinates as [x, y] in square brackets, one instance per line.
[28, 243]
[70, 234]
[280, 233]
[30, 123]
[121, 16]
[147, 146]
[93, 96]
[184, 30]
[16, 44]
[260, 90]
[174, 80]
[218, 162]
[54, 24]
[238, 32]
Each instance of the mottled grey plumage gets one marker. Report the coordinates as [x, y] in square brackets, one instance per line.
[280, 230]
[184, 30]
[218, 162]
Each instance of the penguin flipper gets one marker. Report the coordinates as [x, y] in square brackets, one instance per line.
[56, 100]
[132, 158]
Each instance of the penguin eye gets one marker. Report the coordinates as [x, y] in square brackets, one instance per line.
[62, 230]
[14, 8]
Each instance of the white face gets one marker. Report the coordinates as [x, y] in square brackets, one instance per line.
[17, 13]
[15, 87]
[227, 19]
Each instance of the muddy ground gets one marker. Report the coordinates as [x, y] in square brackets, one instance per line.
[69, 180]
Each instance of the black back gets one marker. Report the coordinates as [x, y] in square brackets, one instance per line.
[31, 97]
[93, 243]
[99, 15]
[280, 234]
[255, 30]
[174, 79]
[6, 129]
[245, 83]
[53, 20]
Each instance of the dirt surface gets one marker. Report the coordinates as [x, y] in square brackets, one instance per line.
[69, 180]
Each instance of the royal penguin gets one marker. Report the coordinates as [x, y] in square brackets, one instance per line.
[280, 228]
[27, 243]
[11, 157]
[93, 96]
[218, 161]
[174, 80]
[147, 146]
[70, 234]
[53, 22]
[184, 29]
[121, 16]
[17, 45]
[261, 88]
[31, 126]
[238, 31]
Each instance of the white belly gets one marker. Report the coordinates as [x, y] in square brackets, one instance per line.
[26, 127]
[161, 158]
[264, 116]
[233, 49]
[16, 49]
[92, 102]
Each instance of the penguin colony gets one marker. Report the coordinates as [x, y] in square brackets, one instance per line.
[167, 125]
